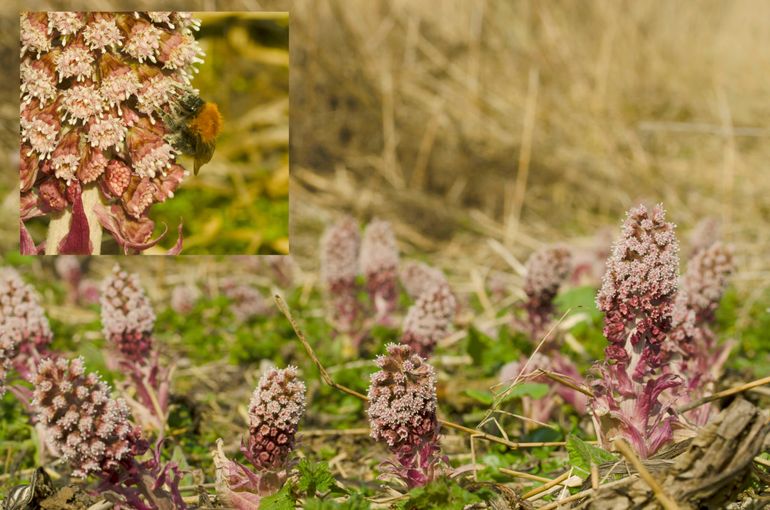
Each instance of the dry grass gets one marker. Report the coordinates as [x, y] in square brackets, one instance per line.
[432, 113]
[424, 113]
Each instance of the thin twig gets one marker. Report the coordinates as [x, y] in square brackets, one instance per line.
[665, 500]
[522, 474]
[587, 492]
[565, 381]
[556, 481]
[724, 393]
[449, 424]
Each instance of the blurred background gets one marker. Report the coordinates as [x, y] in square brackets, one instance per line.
[238, 203]
[475, 125]
[531, 122]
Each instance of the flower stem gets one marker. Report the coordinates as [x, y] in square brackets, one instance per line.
[59, 225]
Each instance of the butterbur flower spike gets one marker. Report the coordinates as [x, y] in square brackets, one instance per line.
[418, 277]
[276, 408]
[24, 329]
[379, 263]
[339, 249]
[429, 319]
[547, 269]
[127, 316]
[88, 427]
[637, 297]
[702, 286]
[93, 433]
[128, 320]
[402, 414]
[246, 302]
[97, 92]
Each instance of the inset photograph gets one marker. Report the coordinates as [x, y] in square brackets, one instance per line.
[154, 133]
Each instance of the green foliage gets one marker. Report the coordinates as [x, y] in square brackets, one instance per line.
[578, 300]
[281, 500]
[442, 494]
[749, 323]
[489, 354]
[314, 477]
[582, 455]
[354, 502]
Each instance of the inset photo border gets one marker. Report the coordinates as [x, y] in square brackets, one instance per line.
[154, 133]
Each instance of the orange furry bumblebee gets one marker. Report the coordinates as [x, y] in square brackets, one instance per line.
[194, 125]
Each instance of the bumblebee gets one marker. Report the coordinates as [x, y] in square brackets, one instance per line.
[194, 125]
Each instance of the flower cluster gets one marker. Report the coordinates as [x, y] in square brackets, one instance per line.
[82, 422]
[402, 413]
[702, 286]
[340, 245]
[418, 277]
[705, 233]
[637, 297]
[275, 410]
[127, 315]
[128, 320]
[184, 297]
[98, 90]
[276, 407]
[428, 319]
[379, 263]
[246, 302]
[80, 289]
[93, 432]
[24, 330]
[547, 269]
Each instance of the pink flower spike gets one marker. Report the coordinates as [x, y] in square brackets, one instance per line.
[127, 315]
[90, 429]
[547, 269]
[402, 413]
[379, 263]
[276, 407]
[429, 319]
[637, 297]
[339, 266]
[418, 277]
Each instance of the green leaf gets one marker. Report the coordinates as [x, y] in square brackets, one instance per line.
[582, 455]
[579, 299]
[484, 397]
[178, 457]
[442, 494]
[281, 500]
[477, 344]
[314, 477]
[354, 502]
